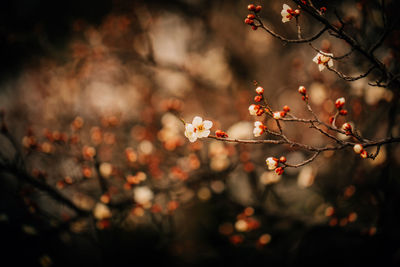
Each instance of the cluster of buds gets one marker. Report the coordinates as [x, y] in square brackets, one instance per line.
[259, 96]
[339, 105]
[273, 163]
[346, 127]
[256, 110]
[221, 134]
[259, 128]
[250, 17]
[254, 8]
[281, 114]
[302, 90]
[359, 149]
[289, 13]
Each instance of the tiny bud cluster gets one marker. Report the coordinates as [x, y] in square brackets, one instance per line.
[359, 149]
[273, 163]
[259, 128]
[346, 127]
[339, 103]
[220, 133]
[250, 17]
[303, 91]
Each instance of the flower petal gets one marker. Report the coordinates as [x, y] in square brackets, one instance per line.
[207, 124]
[315, 59]
[197, 121]
[193, 138]
[321, 67]
[203, 134]
[286, 7]
[330, 63]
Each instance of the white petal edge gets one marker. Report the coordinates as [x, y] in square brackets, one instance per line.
[203, 134]
[197, 121]
[207, 124]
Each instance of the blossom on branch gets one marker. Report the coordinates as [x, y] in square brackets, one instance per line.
[254, 109]
[201, 128]
[259, 128]
[340, 103]
[189, 132]
[272, 163]
[197, 129]
[288, 13]
[323, 59]
[358, 148]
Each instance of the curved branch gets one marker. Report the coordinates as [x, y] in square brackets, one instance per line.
[294, 41]
[350, 78]
[314, 156]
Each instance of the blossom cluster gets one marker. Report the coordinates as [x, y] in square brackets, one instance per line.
[273, 164]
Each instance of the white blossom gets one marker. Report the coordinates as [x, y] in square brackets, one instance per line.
[258, 128]
[201, 128]
[142, 194]
[189, 132]
[288, 13]
[277, 115]
[272, 163]
[253, 109]
[358, 148]
[323, 59]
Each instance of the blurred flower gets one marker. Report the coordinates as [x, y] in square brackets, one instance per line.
[101, 211]
[306, 177]
[105, 169]
[142, 195]
[358, 148]
[323, 59]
